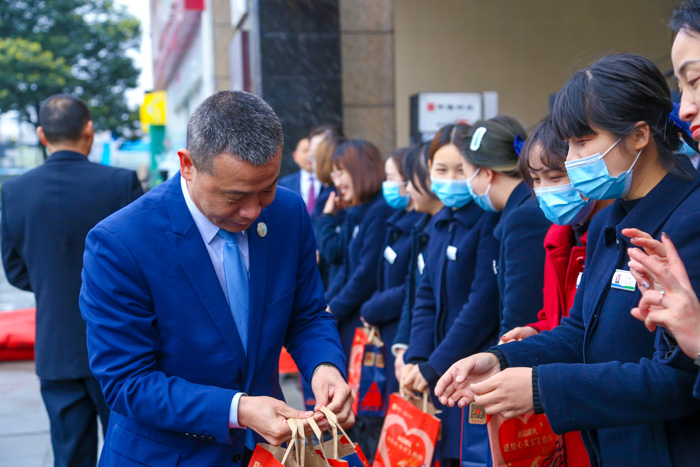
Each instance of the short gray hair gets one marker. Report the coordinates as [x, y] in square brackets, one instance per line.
[235, 123]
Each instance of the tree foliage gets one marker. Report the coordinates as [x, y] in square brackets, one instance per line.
[78, 47]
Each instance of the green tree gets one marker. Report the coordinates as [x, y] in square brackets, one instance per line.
[78, 47]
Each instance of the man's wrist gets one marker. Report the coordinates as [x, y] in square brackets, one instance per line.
[234, 420]
[329, 364]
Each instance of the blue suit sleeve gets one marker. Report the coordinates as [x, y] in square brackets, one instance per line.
[15, 267]
[476, 325]
[524, 267]
[124, 347]
[312, 335]
[384, 306]
[330, 242]
[363, 281]
[422, 334]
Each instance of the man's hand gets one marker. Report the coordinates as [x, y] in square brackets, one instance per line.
[268, 417]
[517, 334]
[509, 393]
[332, 391]
[454, 386]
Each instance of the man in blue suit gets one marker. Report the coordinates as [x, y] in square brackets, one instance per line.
[46, 214]
[190, 293]
[304, 182]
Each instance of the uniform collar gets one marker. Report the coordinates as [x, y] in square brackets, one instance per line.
[404, 220]
[652, 211]
[520, 195]
[67, 156]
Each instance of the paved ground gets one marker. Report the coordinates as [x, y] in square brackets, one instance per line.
[24, 426]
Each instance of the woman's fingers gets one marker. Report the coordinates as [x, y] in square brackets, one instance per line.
[674, 259]
[651, 265]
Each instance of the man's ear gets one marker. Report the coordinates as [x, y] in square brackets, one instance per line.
[89, 130]
[187, 168]
[42, 137]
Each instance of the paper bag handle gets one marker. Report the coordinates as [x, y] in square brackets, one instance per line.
[292, 442]
[333, 421]
[302, 439]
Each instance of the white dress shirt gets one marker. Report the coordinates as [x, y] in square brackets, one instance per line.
[304, 182]
[215, 248]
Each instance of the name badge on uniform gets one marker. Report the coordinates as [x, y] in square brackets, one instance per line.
[390, 255]
[421, 264]
[355, 231]
[452, 253]
[623, 280]
[578, 279]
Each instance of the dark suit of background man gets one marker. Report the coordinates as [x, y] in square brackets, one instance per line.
[190, 292]
[304, 182]
[46, 215]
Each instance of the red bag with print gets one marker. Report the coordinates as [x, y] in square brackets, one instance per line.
[357, 354]
[525, 441]
[409, 434]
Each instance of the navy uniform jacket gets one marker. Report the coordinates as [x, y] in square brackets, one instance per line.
[163, 343]
[46, 214]
[383, 309]
[601, 371]
[363, 231]
[456, 311]
[329, 244]
[520, 269]
[419, 242]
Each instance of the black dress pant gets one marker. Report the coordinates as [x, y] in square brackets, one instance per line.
[73, 407]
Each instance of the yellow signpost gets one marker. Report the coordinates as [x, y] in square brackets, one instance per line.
[152, 111]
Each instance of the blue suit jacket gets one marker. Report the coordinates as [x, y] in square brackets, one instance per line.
[46, 214]
[292, 182]
[520, 271]
[600, 370]
[161, 338]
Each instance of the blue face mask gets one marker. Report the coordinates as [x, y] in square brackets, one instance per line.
[452, 193]
[483, 201]
[687, 150]
[591, 178]
[563, 205]
[393, 196]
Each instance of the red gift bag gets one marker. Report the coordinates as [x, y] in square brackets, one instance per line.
[363, 336]
[344, 451]
[409, 434]
[297, 454]
[525, 441]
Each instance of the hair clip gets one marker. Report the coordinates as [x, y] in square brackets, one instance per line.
[518, 144]
[683, 128]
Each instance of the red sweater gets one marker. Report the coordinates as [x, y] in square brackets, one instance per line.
[562, 268]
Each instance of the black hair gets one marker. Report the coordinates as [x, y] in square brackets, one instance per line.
[415, 167]
[553, 150]
[235, 123]
[614, 94]
[496, 150]
[687, 17]
[452, 133]
[62, 118]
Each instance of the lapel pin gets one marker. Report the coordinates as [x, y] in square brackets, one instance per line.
[262, 229]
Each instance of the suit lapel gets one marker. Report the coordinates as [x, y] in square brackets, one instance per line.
[194, 257]
[258, 246]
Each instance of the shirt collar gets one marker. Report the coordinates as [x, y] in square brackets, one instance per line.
[206, 228]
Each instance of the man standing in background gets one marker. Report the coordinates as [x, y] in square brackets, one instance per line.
[303, 182]
[46, 215]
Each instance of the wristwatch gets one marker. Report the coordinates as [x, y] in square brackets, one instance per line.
[697, 359]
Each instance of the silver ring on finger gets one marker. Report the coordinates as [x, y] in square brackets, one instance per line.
[661, 298]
